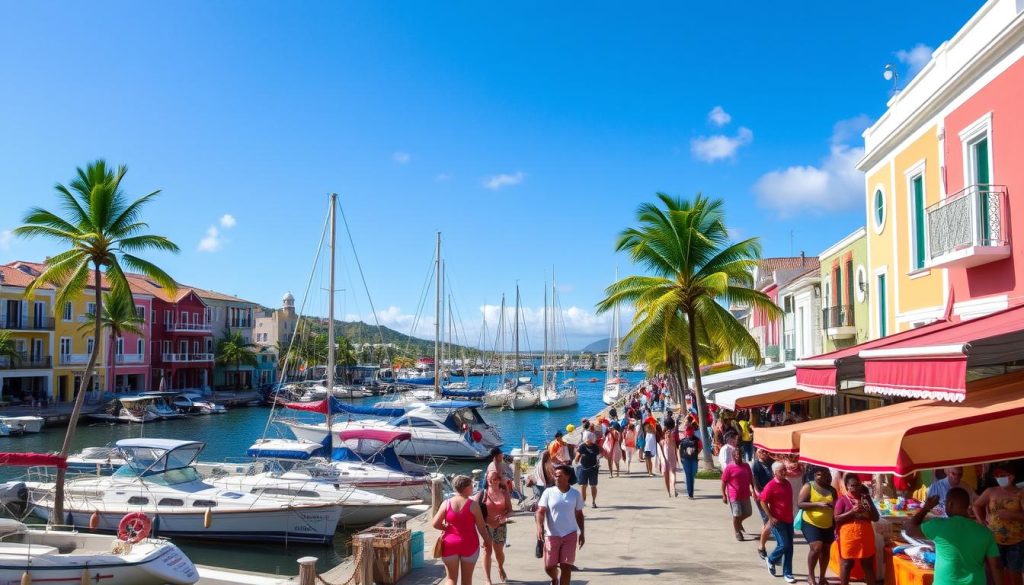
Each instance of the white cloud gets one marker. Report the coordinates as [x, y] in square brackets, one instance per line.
[496, 182]
[6, 237]
[719, 146]
[834, 185]
[442, 177]
[719, 117]
[401, 157]
[915, 59]
[212, 241]
[734, 233]
[227, 221]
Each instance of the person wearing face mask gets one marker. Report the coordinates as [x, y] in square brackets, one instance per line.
[1001, 508]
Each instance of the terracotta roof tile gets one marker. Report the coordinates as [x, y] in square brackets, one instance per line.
[786, 262]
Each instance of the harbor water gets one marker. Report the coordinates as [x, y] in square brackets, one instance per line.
[227, 437]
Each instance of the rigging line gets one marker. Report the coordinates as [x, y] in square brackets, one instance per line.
[301, 321]
[362, 276]
[422, 302]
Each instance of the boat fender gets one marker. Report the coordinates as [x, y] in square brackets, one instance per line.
[208, 518]
[86, 578]
[156, 527]
[26, 578]
[70, 520]
[94, 520]
[134, 527]
[477, 436]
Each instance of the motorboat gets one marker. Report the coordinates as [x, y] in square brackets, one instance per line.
[160, 480]
[194, 403]
[132, 409]
[26, 424]
[96, 460]
[441, 428]
[161, 404]
[6, 430]
[31, 554]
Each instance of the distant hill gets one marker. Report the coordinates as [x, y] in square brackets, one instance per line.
[601, 346]
[358, 332]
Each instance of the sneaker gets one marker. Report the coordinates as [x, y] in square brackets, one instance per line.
[789, 578]
[593, 505]
[770, 565]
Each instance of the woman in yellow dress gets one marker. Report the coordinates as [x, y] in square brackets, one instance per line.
[817, 502]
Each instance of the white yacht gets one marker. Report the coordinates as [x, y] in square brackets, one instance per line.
[195, 403]
[24, 424]
[51, 555]
[159, 479]
[442, 428]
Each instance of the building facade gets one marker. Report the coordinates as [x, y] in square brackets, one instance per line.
[940, 174]
[800, 300]
[31, 326]
[229, 314]
[769, 276]
[844, 292]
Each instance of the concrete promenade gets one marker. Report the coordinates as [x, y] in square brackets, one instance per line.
[640, 535]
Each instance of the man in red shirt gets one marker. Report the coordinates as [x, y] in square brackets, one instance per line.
[777, 497]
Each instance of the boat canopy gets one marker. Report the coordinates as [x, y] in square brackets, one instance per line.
[339, 407]
[454, 404]
[462, 393]
[286, 449]
[382, 435]
[33, 459]
[144, 457]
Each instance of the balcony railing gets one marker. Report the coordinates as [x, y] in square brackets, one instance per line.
[189, 327]
[968, 228]
[771, 352]
[25, 322]
[74, 358]
[26, 362]
[130, 358]
[187, 357]
[837, 316]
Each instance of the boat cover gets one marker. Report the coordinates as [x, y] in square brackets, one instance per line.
[339, 407]
[33, 459]
[462, 393]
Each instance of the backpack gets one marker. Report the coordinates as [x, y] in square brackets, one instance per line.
[482, 500]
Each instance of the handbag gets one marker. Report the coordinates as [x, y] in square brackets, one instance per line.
[439, 543]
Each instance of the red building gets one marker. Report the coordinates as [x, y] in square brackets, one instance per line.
[181, 338]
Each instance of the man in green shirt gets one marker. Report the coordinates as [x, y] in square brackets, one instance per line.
[962, 546]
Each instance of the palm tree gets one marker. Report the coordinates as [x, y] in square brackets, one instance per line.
[102, 232]
[696, 272]
[118, 317]
[233, 350]
[9, 349]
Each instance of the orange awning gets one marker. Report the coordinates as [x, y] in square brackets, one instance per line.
[912, 436]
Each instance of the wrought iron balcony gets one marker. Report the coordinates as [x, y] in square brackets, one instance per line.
[968, 228]
[838, 321]
[189, 328]
[26, 322]
[25, 361]
[187, 357]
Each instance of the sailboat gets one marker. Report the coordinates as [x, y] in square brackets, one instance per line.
[615, 386]
[526, 396]
[505, 391]
[551, 396]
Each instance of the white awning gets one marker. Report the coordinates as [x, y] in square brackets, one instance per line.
[763, 394]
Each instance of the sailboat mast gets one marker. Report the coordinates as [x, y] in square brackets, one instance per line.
[545, 366]
[501, 337]
[515, 338]
[437, 317]
[330, 315]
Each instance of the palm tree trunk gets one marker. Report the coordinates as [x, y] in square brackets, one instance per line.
[238, 376]
[698, 390]
[57, 517]
[113, 363]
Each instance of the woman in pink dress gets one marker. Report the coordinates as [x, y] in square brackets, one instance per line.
[629, 444]
[611, 448]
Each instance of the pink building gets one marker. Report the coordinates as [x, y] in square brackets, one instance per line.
[129, 362]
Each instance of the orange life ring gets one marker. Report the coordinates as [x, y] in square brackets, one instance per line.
[134, 527]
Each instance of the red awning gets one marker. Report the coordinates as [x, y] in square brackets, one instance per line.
[33, 459]
[821, 374]
[934, 365]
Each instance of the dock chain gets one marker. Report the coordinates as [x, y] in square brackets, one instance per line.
[359, 555]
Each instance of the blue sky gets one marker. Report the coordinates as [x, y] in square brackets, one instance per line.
[526, 132]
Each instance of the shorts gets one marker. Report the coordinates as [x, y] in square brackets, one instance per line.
[560, 550]
[588, 476]
[814, 534]
[1012, 556]
[740, 508]
[499, 534]
[463, 559]
[760, 510]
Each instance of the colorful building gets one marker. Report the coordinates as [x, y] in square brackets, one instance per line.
[30, 322]
[230, 314]
[940, 173]
[769, 276]
[844, 288]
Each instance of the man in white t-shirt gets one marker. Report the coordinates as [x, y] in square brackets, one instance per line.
[560, 526]
[725, 453]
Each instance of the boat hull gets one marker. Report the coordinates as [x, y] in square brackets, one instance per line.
[153, 562]
[419, 447]
[559, 402]
[27, 424]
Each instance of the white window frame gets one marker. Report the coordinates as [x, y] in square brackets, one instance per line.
[140, 347]
[971, 135]
[119, 346]
[90, 343]
[68, 314]
[140, 312]
[879, 226]
[90, 308]
[167, 317]
[183, 347]
[65, 344]
[184, 317]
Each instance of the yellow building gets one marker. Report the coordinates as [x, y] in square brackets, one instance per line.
[902, 165]
[30, 321]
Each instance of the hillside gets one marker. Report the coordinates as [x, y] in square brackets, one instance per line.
[358, 332]
[601, 346]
